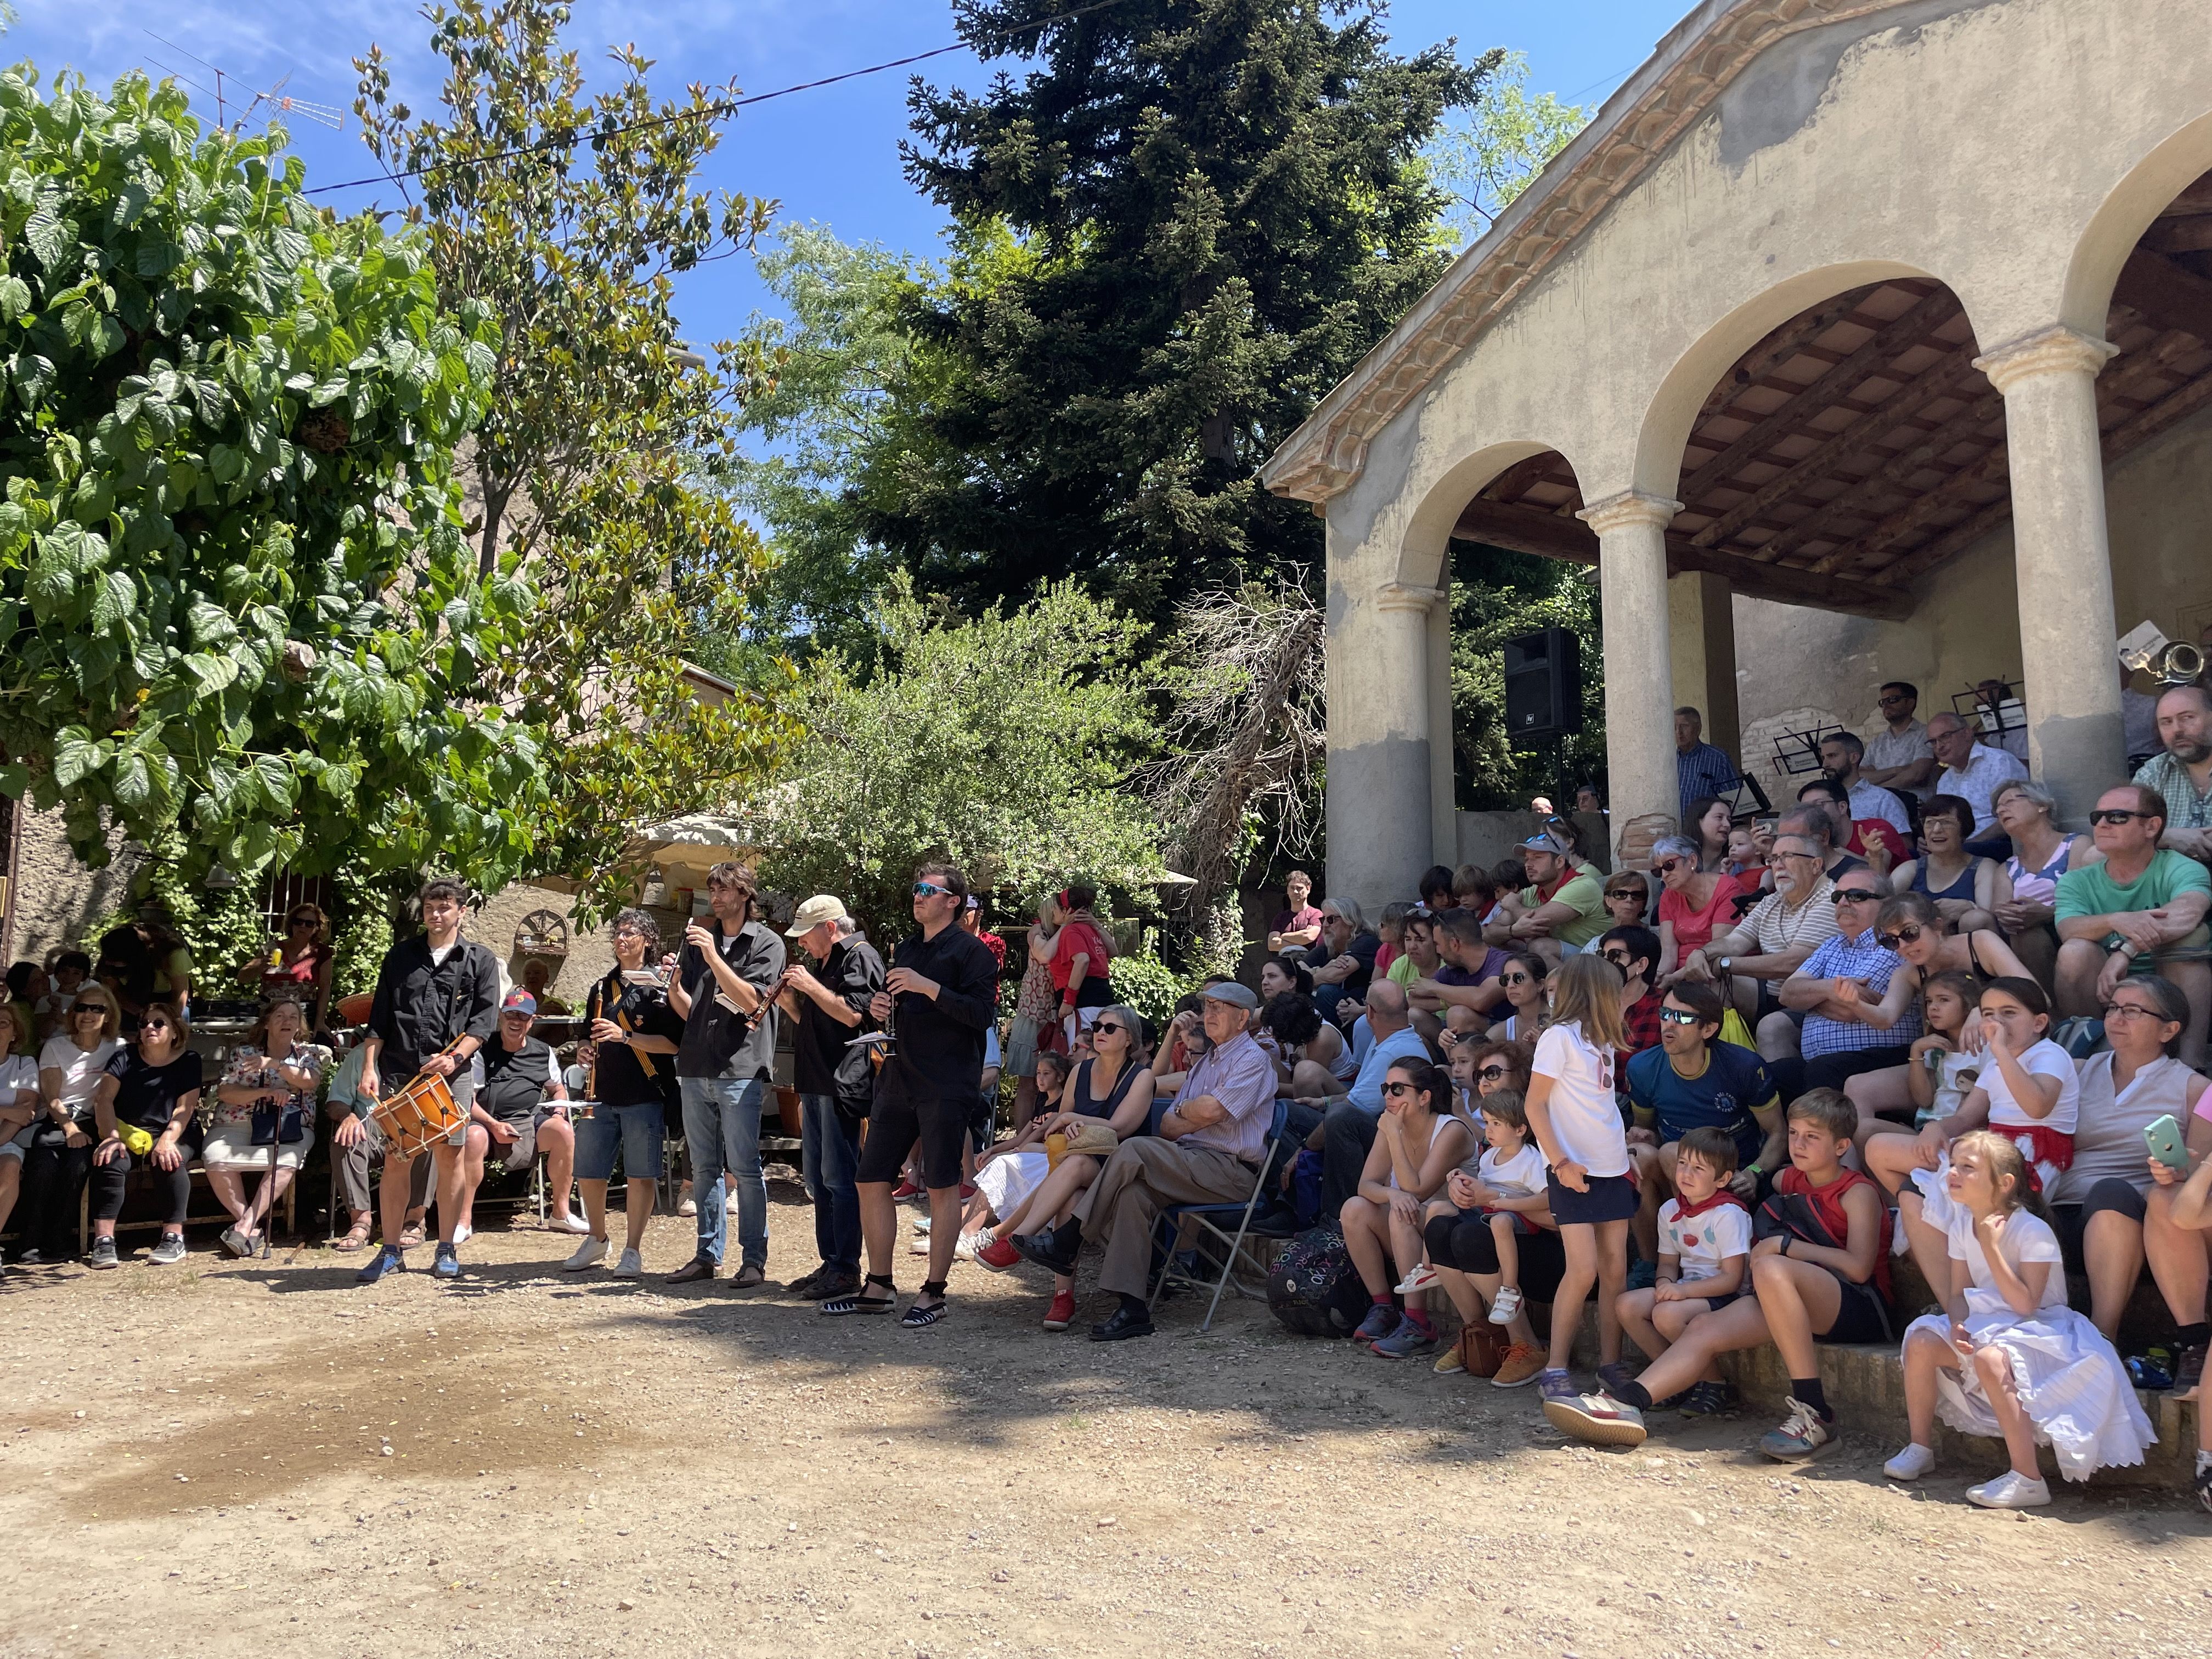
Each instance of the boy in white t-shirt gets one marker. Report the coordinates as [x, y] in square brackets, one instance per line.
[1705, 1261]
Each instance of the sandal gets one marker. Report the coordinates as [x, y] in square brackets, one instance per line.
[860, 1302]
[356, 1236]
[917, 1317]
[412, 1235]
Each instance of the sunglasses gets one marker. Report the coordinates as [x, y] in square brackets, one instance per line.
[1395, 1090]
[153, 1024]
[1852, 896]
[95, 1009]
[1618, 958]
[1492, 1073]
[300, 921]
[2115, 815]
[1893, 697]
[1667, 866]
[1613, 893]
[1109, 1028]
[1515, 979]
[931, 890]
[515, 1013]
[1678, 1016]
[1902, 936]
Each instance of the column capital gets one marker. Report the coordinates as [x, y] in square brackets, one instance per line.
[1628, 508]
[2057, 349]
[1399, 596]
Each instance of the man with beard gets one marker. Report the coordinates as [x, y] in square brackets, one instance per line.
[2182, 775]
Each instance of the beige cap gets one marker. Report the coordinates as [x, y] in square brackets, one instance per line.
[812, 915]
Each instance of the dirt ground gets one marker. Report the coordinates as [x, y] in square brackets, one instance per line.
[241, 1458]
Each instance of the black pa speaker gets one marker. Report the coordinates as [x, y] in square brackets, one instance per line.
[1543, 685]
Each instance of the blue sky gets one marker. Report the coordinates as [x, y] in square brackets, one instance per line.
[830, 155]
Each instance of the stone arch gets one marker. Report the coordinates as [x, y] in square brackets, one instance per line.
[1422, 558]
[2127, 211]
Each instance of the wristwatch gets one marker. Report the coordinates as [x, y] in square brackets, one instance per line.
[1723, 964]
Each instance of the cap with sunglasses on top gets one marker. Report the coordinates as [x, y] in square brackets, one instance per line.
[1544, 841]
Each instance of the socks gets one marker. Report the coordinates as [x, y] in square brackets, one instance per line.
[1633, 1394]
[1420, 1321]
[1067, 1238]
[2193, 1336]
[1382, 1300]
[1808, 1389]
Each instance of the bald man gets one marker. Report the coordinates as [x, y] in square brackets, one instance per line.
[1343, 1134]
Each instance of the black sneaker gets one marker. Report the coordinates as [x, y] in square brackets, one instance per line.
[1043, 1249]
[2189, 1371]
[1706, 1400]
[103, 1253]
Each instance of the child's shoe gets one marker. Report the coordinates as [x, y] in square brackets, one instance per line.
[1382, 1319]
[1597, 1417]
[1405, 1339]
[1707, 1400]
[1614, 1375]
[1915, 1461]
[1449, 1364]
[2010, 1491]
[1420, 1279]
[1507, 1305]
[1802, 1435]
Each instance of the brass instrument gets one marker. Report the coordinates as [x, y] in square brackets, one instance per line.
[2179, 663]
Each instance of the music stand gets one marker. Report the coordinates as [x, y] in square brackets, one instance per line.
[1734, 798]
[1798, 753]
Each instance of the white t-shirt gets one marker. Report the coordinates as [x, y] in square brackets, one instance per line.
[1585, 1118]
[1706, 1240]
[17, 1073]
[80, 1069]
[2045, 1059]
[2026, 1238]
[1512, 1174]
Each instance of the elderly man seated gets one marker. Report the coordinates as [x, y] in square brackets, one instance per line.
[1973, 770]
[1562, 907]
[1832, 992]
[1772, 942]
[2182, 775]
[1842, 754]
[2140, 911]
[520, 1112]
[1208, 1151]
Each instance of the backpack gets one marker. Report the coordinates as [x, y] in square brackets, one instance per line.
[1314, 1289]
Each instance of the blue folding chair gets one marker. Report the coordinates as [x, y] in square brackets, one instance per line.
[1212, 1219]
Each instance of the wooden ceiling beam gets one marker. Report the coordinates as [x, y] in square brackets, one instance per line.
[2189, 235]
[1908, 400]
[2168, 294]
[2195, 197]
[1891, 341]
[1514, 481]
[1966, 425]
[1778, 348]
[1531, 529]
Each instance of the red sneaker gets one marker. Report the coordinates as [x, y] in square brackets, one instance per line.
[903, 1191]
[967, 1191]
[998, 1256]
[1061, 1314]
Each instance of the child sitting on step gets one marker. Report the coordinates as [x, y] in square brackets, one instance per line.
[1704, 1259]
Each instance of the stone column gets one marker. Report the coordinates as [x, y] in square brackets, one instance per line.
[1444, 811]
[1380, 826]
[1701, 624]
[1639, 670]
[2062, 562]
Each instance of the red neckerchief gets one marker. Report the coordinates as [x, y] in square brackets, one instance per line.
[1566, 876]
[1721, 1196]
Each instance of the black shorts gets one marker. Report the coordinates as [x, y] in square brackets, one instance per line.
[1610, 1198]
[899, 1122]
[1463, 1241]
[1860, 1318]
[2071, 1221]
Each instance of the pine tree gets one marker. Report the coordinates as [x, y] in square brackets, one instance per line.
[1173, 236]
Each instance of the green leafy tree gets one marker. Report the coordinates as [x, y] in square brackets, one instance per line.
[1173, 236]
[1495, 596]
[236, 599]
[605, 460]
[1486, 162]
[1004, 742]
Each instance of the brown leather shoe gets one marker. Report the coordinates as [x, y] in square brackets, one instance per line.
[696, 1268]
[750, 1277]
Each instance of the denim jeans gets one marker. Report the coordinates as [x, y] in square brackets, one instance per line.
[830, 1157]
[721, 1130]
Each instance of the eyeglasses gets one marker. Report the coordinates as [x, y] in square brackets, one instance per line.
[1492, 1073]
[515, 1013]
[1891, 697]
[1395, 1090]
[1679, 1016]
[1852, 896]
[1612, 893]
[931, 890]
[1109, 1028]
[2130, 1011]
[1810, 857]
[1667, 866]
[2115, 815]
[153, 1024]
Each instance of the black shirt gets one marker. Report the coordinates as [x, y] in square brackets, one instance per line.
[623, 1076]
[422, 1005]
[515, 1079]
[938, 1045]
[822, 1047]
[146, 1095]
[719, 1042]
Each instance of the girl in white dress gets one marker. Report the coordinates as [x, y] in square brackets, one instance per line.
[2007, 1356]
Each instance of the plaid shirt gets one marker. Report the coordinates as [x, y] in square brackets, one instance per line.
[1704, 771]
[1860, 958]
[2171, 779]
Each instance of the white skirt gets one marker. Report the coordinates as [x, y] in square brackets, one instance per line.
[1007, 1180]
[230, 1146]
[2069, 1378]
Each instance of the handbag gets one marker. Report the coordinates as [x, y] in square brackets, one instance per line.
[269, 1131]
[1093, 1137]
[1480, 1353]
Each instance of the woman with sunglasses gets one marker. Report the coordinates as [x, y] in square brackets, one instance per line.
[59, 1157]
[1696, 900]
[1418, 1141]
[266, 1097]
[1706, 826]
[298, 965]
[1115, 1085]
[1960, 884]
[144, 1104]
[1522, 979]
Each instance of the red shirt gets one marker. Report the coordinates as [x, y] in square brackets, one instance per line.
[1643, 1024]
[1877, 832]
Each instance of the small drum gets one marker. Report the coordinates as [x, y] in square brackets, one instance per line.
[417, 1117]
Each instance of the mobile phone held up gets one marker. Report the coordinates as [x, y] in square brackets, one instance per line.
[2164, 1139]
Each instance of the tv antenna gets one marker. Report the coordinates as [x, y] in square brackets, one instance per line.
[279, 101]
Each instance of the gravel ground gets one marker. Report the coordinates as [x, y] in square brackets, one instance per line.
[231, 1458]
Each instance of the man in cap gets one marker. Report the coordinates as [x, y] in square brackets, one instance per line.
[1208, 1150]
[513, 1118]
[828, 1002]
[1562, 907]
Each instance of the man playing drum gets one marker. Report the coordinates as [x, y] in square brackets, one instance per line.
[437, 998]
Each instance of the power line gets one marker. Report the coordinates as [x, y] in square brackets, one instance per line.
[725, 107]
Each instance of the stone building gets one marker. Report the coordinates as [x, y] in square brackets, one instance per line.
[1853, 340]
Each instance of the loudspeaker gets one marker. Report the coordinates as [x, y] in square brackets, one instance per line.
[1543, 685]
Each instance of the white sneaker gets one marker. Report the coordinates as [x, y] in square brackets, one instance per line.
[631, 1266]
[688, 1207]
[2010, 1491]
[964, 1249]
[1915, 1461]
[1420, 1279]
[920, 1246]
[1507, 1305]
[570, 1223]
[589, 1253]
[463, 1233]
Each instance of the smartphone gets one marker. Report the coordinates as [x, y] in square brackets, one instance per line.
[2164, 1139]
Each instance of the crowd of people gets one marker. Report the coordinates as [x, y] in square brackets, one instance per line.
[1708, 1099]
